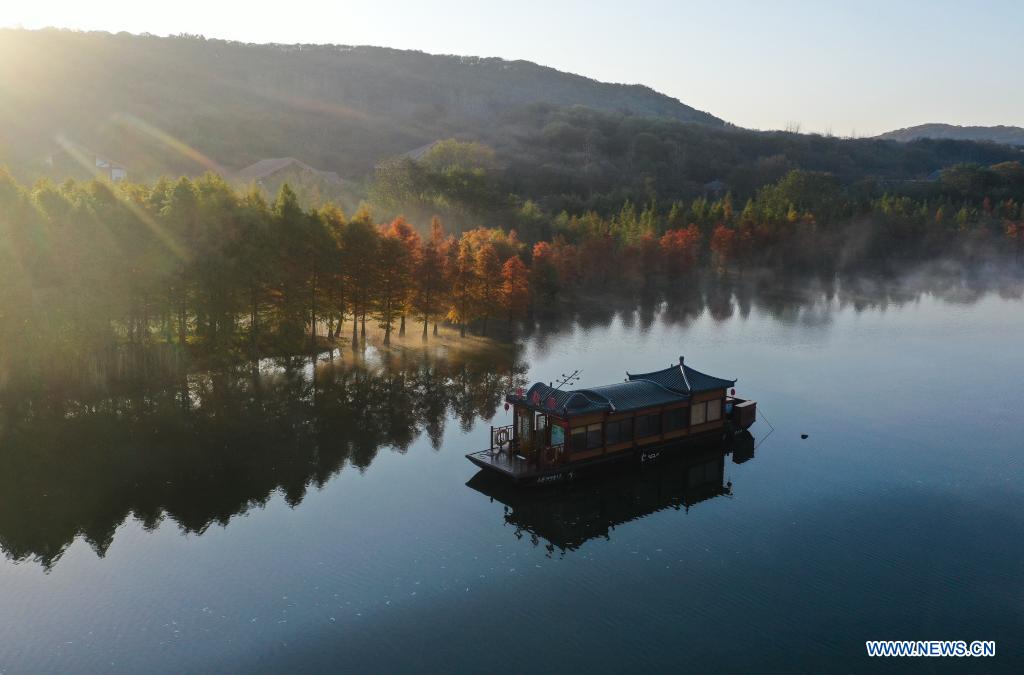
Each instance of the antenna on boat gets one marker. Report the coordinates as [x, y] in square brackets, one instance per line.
[571, 378]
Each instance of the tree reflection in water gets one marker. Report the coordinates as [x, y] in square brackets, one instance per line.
[77, 460]
[213, 445]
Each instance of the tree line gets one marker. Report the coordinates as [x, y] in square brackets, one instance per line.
[198, 262]
[203, 265]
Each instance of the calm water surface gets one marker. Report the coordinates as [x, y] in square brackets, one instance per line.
[289, 520]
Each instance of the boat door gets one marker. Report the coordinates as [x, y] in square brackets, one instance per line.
[524, 430]
[540, 432]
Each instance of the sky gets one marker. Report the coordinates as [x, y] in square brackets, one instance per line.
[847, 68]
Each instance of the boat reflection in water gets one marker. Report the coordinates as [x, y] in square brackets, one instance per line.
[566, 517]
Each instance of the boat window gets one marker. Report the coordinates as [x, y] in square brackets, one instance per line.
[626, 429]
[675, 419]
[619, 431]
[697, 413]
[594, 436]
[648, 425]
[579, 439]
[557, 434]
[714, 410]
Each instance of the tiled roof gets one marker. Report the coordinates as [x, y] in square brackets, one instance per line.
[684, 379]
[635, 394]
[647, 390]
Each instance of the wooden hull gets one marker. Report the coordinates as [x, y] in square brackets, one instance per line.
[526, 474]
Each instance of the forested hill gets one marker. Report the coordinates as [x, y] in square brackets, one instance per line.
[338, 108]
[999, 134]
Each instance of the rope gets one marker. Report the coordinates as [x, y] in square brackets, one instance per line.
[760, 414]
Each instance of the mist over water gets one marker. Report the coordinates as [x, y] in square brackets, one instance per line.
[314, 513]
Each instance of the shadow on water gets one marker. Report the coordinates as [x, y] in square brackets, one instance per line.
[201, 447]
[217, 444]
[566, 517]
[789, 299]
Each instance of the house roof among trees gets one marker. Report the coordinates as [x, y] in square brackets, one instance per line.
[417, 153]
[268, 167]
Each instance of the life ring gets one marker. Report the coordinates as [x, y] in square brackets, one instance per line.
[501, 436]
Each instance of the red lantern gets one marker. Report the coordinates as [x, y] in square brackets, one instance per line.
[506, 406]
[733, 391]
[552, 403]
[519, 392]
[535, 399]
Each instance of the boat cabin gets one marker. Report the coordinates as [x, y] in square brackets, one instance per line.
[552, 427]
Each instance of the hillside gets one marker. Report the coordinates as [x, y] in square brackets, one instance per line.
[153, 106]
[999, 134]
[338, 108]
[578, 159]
[583, 158]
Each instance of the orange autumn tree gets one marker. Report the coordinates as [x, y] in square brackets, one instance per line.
[411, 241]
[396, 260]
[462, 277]
[359, 261]
[488, 270]
[544, 271]
[566, 259]
[723, 246]
[679, 248]
[515, 289]
[428, 297]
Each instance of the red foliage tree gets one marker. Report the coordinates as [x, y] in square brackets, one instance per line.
[679, 248]
[544, 270]
[515, 288]
[723, 245]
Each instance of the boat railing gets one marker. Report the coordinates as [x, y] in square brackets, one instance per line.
[553, 454]
[502, 439]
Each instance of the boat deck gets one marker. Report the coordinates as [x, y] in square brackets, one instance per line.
[504, 461]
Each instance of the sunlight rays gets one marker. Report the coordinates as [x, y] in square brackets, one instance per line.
[133, 123]
[76, 153]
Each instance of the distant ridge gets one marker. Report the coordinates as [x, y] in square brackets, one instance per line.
[340, 108]
[1006, 135]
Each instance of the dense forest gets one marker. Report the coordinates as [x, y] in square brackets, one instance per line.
[220, 273]
[579, 160]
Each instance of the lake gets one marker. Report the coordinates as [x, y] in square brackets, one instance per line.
[314, 514]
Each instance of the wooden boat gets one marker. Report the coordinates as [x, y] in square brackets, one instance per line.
[556, 434]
